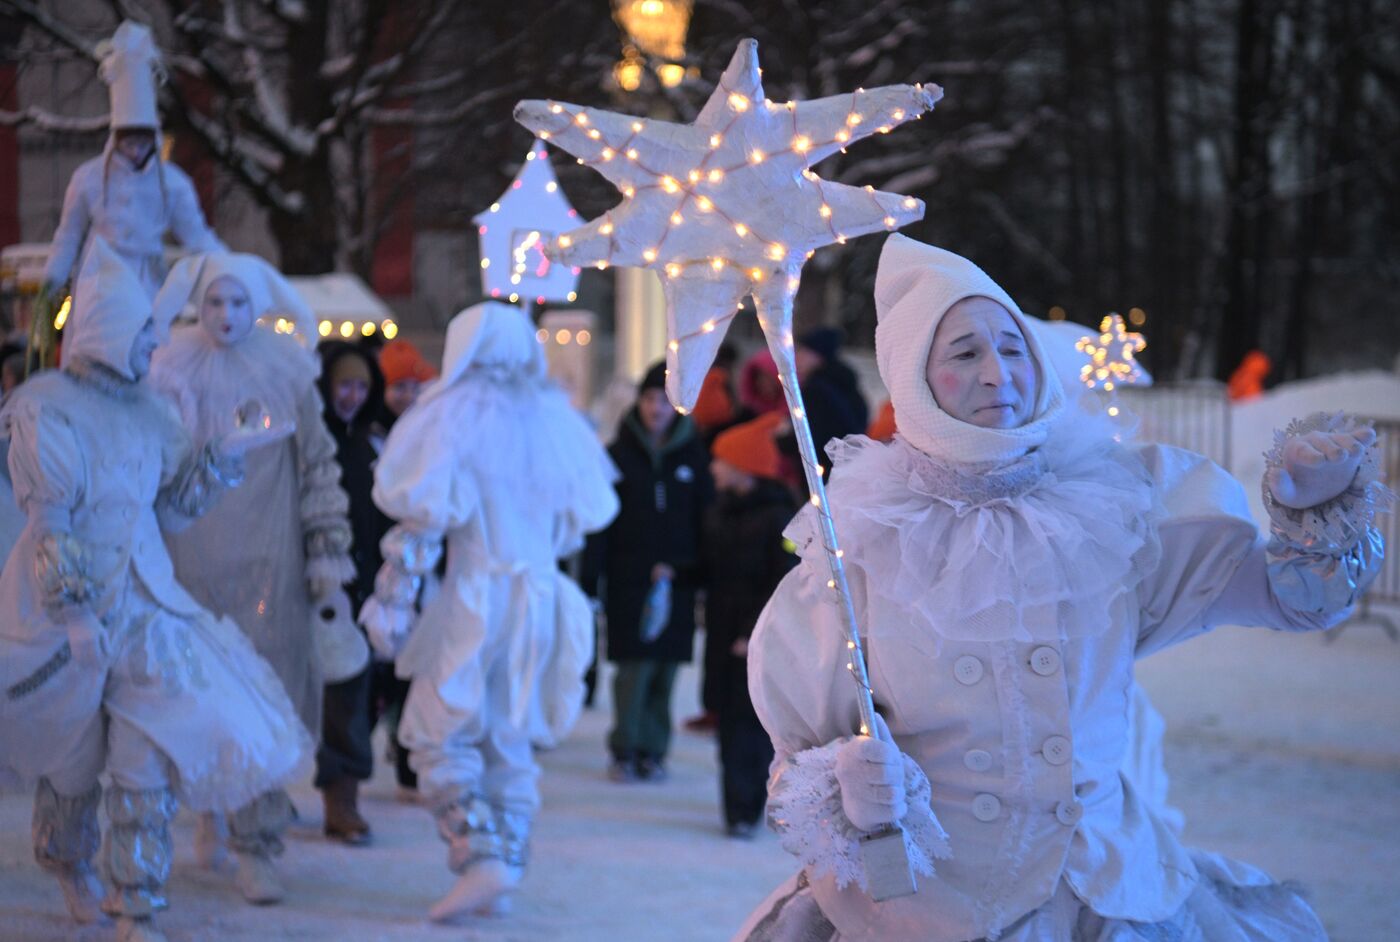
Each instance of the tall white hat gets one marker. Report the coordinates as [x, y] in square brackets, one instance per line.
[130, 65]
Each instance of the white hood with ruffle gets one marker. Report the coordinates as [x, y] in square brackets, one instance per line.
[915, 286]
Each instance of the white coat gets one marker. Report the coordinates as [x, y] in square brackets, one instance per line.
[133, 210]
[1021, 736]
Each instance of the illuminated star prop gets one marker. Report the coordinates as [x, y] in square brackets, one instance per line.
[727, 206]
[1112, 361]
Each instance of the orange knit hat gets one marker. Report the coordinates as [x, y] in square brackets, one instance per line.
[400, 360]
[751, 447]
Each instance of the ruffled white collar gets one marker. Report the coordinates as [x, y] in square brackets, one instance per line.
[1046, 547]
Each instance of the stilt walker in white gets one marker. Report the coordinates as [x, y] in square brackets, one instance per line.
[495, 458]
[106, 663]
[284, 531]
[127, 194]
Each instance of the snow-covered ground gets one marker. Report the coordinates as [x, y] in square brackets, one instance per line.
[1284, 750]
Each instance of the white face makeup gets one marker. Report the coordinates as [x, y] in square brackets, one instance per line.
[142, 347]
[226, 313]
[980, 368]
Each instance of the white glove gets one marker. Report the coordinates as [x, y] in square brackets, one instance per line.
[387, 627]
[870, 771]
[1318, 466]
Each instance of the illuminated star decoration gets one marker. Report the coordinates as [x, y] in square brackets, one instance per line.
[1112, 355]
[514, 231]
[728, 206]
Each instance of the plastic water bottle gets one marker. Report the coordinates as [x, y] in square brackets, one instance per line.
[656, 613]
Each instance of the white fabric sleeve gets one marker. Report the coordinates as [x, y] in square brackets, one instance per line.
[72, 230]
[1205, 535]
[46, 468]
[805, 697]
[417, 481]
[1216, 570]
[186, 218]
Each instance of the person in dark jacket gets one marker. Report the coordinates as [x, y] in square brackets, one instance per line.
[745, 558]
[664, 490]
[353, 390]
[830, 390]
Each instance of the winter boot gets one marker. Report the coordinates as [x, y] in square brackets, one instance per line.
[482, 890]
[65, 835]
[257, 879]
[343, 820]
[138, 929]
[255, 836]
[82, 892]
[488, 846]
[210, 837]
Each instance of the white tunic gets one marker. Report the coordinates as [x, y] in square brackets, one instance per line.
[250, 556]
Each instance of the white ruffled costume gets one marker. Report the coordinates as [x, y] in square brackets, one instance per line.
[494, 457]
[106, 663]
[253, 556]
[1005, 581]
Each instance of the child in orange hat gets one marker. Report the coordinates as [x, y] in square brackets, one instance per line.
[745, 559]
[405, 372]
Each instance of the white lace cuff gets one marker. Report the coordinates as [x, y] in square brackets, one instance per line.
[804, 807]
[1335, 527]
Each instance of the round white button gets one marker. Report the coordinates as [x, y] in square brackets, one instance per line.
[1068, 813]
[1056, 750]
[986, 807]
[967, 669]
[978, 760]
[1045, 661]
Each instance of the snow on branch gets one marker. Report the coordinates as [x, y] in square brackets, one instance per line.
[48, 121]
[42, 18]
[417, 118]
[863, 56]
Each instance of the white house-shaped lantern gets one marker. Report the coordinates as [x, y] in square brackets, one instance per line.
[514, 231]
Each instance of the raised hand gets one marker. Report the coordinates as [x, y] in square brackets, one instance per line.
[1318, 466]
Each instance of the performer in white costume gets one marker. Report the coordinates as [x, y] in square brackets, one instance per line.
[284, 531]
[105, 661]
[492, 456]
[1009, 560]
[293, 538]
[128, 195]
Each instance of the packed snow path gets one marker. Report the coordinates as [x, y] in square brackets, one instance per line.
[1284, 751]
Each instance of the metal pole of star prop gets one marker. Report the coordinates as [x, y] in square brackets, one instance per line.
[728, 207]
